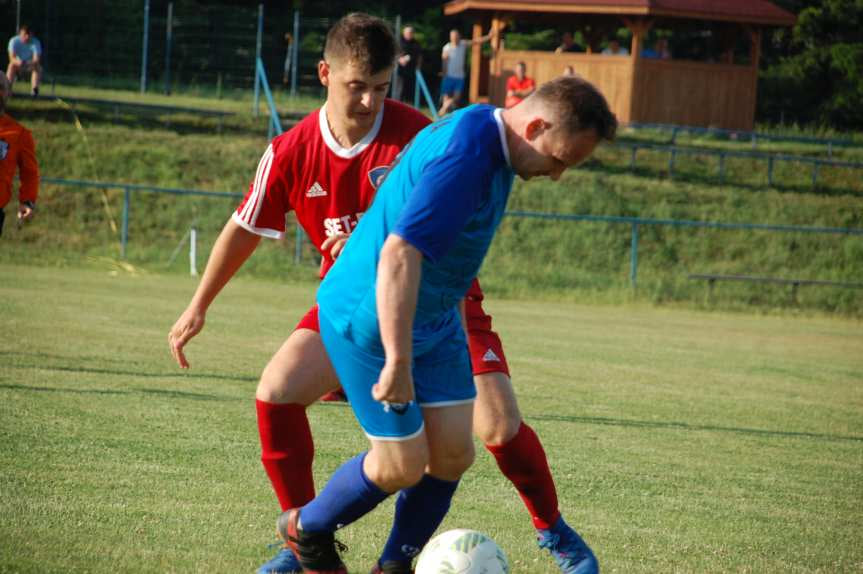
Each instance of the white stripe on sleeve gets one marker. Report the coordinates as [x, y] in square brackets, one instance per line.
[259, 188]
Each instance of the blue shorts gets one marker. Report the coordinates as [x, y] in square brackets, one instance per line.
[442, 377]
[451, 85]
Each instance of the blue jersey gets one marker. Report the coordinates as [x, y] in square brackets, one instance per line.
[445, 196]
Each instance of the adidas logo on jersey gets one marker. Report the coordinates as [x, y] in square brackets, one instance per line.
[490, 357]
[316, 191]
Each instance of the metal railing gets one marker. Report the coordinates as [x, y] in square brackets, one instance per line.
[743, 135]
[634, 222]
[722, 154]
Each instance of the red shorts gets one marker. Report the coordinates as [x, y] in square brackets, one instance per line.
[486, 350]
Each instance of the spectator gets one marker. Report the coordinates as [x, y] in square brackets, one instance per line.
[659, 51]
[25, 55]
[567, 44]
[17, 151]
[519, 86]
[409, 61]
[453, 57]
[615, 49]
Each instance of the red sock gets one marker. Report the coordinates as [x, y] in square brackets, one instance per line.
[522, 460]
[287, 451]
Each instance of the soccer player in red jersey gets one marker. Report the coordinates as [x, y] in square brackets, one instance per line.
[326, 169]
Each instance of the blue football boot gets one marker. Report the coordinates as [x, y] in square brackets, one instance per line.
[567, 548]
[282, 563]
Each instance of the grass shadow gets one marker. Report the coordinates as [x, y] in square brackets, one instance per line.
[690, 427]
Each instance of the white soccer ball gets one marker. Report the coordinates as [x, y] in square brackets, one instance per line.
[462, 552]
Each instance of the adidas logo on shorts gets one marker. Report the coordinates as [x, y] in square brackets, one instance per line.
[490, 357]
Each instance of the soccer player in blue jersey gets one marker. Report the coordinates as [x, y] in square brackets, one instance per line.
[389, 314]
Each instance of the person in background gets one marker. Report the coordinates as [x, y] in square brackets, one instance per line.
[453, 57]
[615, 49]
[409, 61]
[17, 152]
[568, 44]
[519, 86]
[25, 55]
[659, 51]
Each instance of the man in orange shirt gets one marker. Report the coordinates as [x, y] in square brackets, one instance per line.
[17, 151]
[519, 86]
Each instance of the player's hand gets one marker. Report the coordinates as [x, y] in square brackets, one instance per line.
[187, 326]
[395, 385]
[335, 243]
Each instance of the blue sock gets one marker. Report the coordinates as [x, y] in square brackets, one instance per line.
[347, 496]
[419, 511]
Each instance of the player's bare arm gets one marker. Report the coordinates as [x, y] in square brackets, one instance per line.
[232, 248]
[397, 287]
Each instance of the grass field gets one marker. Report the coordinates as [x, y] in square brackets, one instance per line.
[530, 258]
[681, 441]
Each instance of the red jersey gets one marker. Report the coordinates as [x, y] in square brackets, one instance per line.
[513, 83]
[329, 187]
[17, 152]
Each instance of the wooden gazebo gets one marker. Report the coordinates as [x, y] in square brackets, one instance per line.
[717, 93]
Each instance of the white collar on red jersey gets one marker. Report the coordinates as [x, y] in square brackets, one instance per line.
[502, 130]
[358, 147]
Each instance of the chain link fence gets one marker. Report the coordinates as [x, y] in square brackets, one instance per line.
[163, 47]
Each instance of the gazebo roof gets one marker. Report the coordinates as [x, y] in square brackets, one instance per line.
[744, 11]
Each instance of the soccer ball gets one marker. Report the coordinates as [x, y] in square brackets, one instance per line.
[462, 552]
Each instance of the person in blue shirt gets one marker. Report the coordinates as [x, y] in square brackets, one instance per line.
[25, 55]
[390, 322]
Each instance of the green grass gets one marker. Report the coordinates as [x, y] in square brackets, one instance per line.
[681, 441]
[530, 258]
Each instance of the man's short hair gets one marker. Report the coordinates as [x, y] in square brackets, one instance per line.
[578, 105]
[363, 40]
[24, 28]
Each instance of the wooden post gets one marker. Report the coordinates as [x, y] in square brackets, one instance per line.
[639, 28]
[495, 63]
[755, 55]
[475, 63]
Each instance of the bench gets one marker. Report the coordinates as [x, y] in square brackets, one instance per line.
[795, 283]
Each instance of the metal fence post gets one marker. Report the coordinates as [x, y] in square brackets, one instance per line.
[721, 168]
[770, 171]
[633, 261]
[298, 245]
[295, 55]
[632, 157]
[124, 234]
[144, 48]
[397, 34]
[671, 162]
[169, 33]
[815, 174]
[193, 251]
[257, 104]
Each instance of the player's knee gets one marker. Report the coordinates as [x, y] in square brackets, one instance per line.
[275, 386]
[498, 430]
[452, 463]
[397, 469]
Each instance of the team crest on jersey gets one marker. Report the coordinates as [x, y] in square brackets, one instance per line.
[377, 175]
[316, 191]
[4, 149]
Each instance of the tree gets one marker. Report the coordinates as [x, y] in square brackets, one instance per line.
[814, 73]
